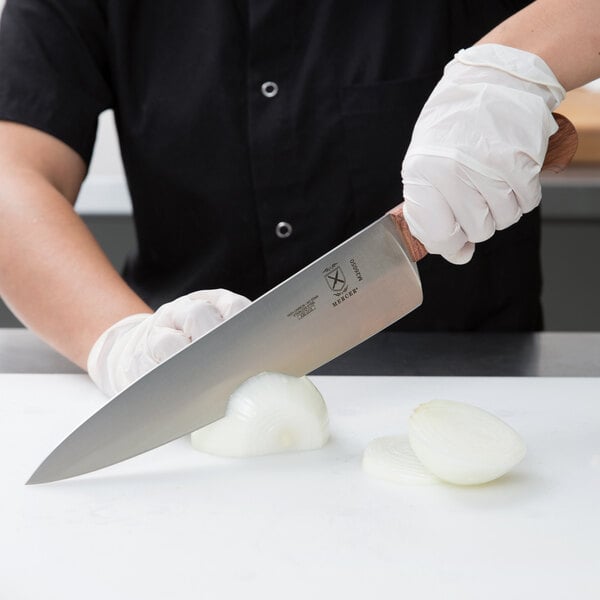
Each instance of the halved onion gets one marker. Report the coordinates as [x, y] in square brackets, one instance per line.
[463, 444]
[392, 458]
[267, 414]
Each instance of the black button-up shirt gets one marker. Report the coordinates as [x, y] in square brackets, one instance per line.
[256, 135]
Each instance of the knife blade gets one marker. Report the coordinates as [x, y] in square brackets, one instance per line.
[351, 293]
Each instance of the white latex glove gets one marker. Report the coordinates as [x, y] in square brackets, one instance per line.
[136, 344]
[477, 148]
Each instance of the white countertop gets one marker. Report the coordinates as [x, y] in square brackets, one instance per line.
[177, 524]
[104, 195]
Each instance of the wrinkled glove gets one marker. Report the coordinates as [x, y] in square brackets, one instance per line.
[136, 344]
[477, 148]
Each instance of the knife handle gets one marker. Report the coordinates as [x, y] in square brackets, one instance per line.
[561, 149]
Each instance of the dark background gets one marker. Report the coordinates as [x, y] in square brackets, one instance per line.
[570, 250]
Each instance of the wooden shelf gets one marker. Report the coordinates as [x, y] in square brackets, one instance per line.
[582, 107]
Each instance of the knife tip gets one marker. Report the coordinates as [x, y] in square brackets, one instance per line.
[44, 474]
[35, 478]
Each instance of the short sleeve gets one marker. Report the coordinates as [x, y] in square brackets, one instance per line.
[54, 68]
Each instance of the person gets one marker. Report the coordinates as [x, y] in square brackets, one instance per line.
[473, 165]
[255, 137]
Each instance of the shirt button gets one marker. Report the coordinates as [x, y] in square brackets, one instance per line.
[269, 89]
[283, 230]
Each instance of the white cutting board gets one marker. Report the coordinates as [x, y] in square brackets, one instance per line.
[177, 524]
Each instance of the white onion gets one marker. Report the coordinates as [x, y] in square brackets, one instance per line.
[463, 444]
[267, 414]
[392, 458]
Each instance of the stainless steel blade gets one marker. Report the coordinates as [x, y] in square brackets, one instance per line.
[335, 303]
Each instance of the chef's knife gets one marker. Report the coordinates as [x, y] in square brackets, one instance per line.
[346, 296]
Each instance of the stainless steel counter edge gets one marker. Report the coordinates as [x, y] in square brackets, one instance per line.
[392, 354]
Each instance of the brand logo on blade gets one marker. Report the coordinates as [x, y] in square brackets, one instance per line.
[335, 278]
[338, 283]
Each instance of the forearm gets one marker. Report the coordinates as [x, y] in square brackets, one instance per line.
[564, 33]
[53, 274]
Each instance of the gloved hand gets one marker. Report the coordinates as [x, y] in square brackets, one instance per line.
[136, 344]
[477, 148]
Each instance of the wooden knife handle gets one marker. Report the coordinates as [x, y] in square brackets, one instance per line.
[561, 149]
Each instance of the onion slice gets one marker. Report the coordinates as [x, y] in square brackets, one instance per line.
[268, 413]
[463, 444]
[392, 458]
